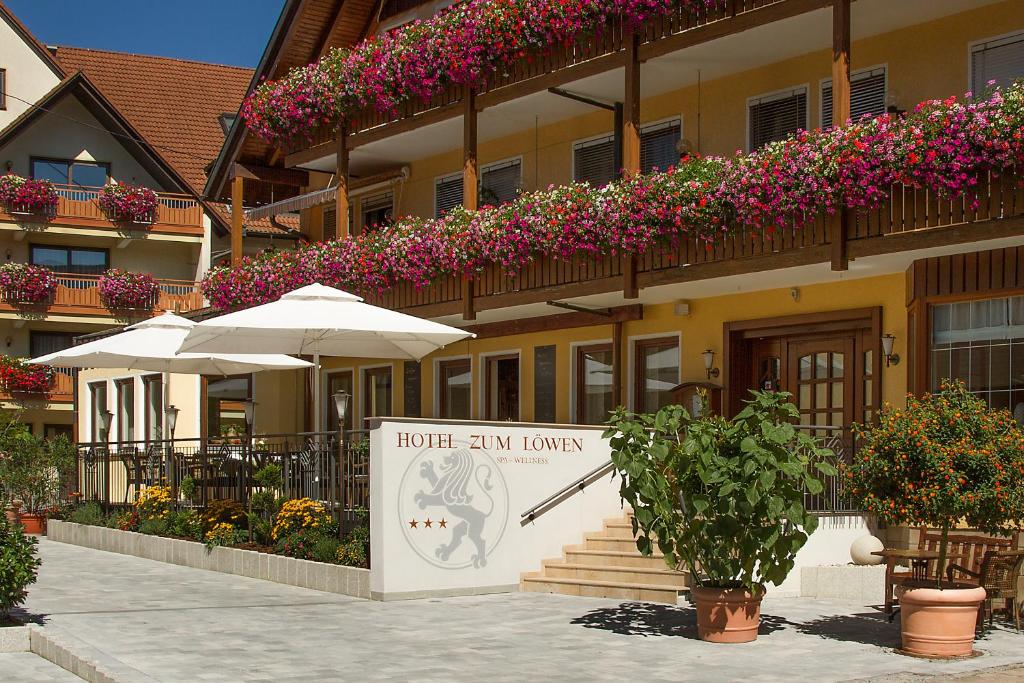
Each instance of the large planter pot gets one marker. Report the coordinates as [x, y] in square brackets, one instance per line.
[939, 623]
[33, 523]
[729, 615]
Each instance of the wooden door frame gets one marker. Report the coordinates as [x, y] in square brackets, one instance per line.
[487, 360]
[442, 384]
[736, 333]
[639, 381]
[368, 374]
[578, 353]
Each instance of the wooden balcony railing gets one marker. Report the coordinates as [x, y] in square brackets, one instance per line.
[79, 205]
[912, 218]
[62, 391]
[78, 294]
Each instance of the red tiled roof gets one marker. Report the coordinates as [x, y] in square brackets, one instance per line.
[175, 104]
[283, 225]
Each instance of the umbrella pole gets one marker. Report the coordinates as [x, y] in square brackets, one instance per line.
[316, 392]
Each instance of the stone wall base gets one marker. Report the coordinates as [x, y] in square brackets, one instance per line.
[865, 585]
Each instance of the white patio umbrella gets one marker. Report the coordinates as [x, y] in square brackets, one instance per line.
[322, 321]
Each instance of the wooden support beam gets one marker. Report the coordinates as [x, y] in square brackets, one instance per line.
[630, 137]
[837, 239]
[237, 217]
[470, 183]
[840, 62]
[616, 364]
[341, 196]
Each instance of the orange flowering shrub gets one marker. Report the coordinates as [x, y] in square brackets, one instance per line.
[946, 457]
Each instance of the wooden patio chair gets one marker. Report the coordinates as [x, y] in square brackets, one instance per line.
[133, 474]
[1000, 576]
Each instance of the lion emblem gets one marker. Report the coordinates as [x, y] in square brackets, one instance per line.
[451, 489]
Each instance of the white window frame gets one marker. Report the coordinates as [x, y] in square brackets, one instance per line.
[972, 48]
[436, 381]
[574, 372]
[827, 80]
[631, 360]
[482, 388]
[360, 377]
[781, 93]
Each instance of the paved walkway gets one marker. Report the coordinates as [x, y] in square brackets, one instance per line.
[179, 624]
[25, 667]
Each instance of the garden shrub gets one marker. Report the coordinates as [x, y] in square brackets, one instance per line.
[154, 526]
[18, 566]
[309, 544]
[185, 524]
[299, 514]
[127, 520]
[355, 550]
[90, 513]
[224, 534]
[187, 487]
[223, 511]
[262, 529]
[154, 502]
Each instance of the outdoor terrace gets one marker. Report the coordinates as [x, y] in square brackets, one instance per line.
[62, 391]
[79, 295]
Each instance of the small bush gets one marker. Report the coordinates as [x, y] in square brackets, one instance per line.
[223, 511]
[18, 566]
[154, 526]
[154, 502]
[310, 544]
[187, 487]
[300, 514]
[224, 534]
[261, 529]
[356, 548]
[185, 524]
[126, 521]
[90, 513]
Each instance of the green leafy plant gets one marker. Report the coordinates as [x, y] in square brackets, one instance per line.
[224, 534]
[185, 524]
[32, 469]
[187, 487]
[310, 544]
[90, 513]
[944, 458]
[223, 511]
[154, 526]
[18, 566]
[354, 551]
[261, 529]
[721, 498]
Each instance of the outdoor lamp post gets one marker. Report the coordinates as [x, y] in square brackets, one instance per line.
[105, 416]
[171, 420]
[341, 408]
[171, 416]
[250, 415]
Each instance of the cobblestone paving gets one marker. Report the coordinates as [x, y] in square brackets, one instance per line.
[179, 624]
[25, 667]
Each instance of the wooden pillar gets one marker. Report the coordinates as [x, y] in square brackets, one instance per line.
[617, 365]
[341, 198]
[631, 143]
[840, 115]
[237, 218]
[470, 184]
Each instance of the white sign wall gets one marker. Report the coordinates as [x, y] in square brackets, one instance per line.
[446, 499]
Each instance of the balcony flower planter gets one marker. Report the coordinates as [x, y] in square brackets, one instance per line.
[128, 203]
[26, 284]
[28, 197]
[944, 459]
[696, 498]
[19, 377]
[122, 291]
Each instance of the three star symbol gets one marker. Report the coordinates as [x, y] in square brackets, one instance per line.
[428, 523]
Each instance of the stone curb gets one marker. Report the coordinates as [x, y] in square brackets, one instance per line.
[863, 584]
[329, 578]
[14, 639]
[82, 659]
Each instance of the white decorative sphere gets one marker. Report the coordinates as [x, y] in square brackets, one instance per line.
[861, 549]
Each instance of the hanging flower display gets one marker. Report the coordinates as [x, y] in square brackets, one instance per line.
[943, 145]
[130, 203]
[17, 376]
[25, 195]
[461, 45]
[121, 290]
[22, 283]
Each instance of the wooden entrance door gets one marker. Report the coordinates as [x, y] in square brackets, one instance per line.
[822, 376]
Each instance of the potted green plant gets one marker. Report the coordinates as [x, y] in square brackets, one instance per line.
[18, 567]
[722, 499]
[33, 470]
[944, 459]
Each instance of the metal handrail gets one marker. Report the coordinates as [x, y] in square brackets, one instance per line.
[579, 485]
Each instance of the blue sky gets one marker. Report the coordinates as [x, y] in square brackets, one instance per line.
[221, 31]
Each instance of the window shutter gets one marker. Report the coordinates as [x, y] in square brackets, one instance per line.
[1000, 60]
[594, 161]
[776, 116]
[3, 88]
[867, 96]
[500, 183]
[330, 222]
[658, 145]
[377, 210]
[447, 194]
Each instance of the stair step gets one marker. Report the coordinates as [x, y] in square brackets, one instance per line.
[601, 589]
[618, 529]
[615, 558]
[600, 542]
[662, 576]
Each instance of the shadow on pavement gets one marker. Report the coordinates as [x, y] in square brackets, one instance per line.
[653, 619]
[869, 628]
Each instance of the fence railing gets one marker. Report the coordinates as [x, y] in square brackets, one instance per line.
[77, 291]
[831, 500]
[61, 391]
[313, 465]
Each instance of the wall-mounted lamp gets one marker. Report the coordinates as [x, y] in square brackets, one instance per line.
[709, 363]
[171, 417]
[105, 417]
[890, 358]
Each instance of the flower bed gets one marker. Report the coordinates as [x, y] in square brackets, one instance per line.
[25, 195]
[131, 203]
[943, 145]
[121, 290]
[17, 376]
[460, 45]
[23, 283]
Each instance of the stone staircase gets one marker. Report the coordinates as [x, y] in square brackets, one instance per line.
[608, 565]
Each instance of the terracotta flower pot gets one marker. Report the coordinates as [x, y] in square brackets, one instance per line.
[729, 615]
[939, 623]
[33, 523]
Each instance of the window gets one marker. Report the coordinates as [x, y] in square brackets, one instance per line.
[456, 381]
[338, 381]
[226, 121]
[125, 410]
[447, 194]
[867, 95]
[982, 343]
[75, 260]
[593, 383]
[3, 89]
[153, 386]
[773, 117]
[1000, 60]
[378, 211]
[656, 373]
[42, 343]
[98, 400]
[70, 172]
[52, 431]
[594, 160]
[377, 392]
[503, 388]
[225, 406]
[500, 183]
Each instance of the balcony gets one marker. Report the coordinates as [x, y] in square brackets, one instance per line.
[62, 391]
[78, 295]
[78, 206]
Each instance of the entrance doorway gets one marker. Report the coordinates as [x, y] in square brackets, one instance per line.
[502, 387]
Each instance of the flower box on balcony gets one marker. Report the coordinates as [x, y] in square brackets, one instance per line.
[28, 197]
[19, 377]
[128, 203]
[25, 284]
[121, 290]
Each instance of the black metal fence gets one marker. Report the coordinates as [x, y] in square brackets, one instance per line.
[831, 500]
[320, 466]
